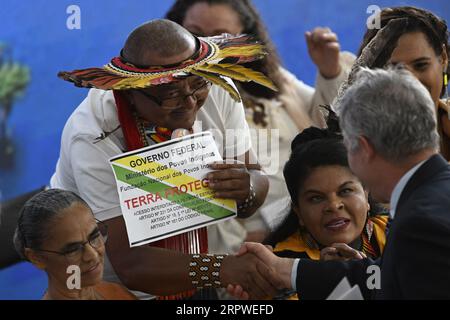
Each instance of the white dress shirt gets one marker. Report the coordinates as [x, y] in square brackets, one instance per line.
[401, 184]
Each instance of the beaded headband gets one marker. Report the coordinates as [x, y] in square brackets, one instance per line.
[216, 58]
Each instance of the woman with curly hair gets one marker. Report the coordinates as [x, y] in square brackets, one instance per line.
[289, 110]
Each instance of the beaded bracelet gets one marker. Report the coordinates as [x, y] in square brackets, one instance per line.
[248, 203]
[204, 270]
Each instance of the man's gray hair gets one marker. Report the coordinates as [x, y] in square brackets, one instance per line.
[392, 109]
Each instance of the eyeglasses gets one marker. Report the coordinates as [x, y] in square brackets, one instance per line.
[75, 253]
[169, 103]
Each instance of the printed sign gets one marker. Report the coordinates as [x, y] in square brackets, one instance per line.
[163, 188]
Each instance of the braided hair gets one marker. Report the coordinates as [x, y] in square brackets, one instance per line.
[36, 215]
[419, 20]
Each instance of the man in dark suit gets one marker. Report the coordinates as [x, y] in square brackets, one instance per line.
[389, 124]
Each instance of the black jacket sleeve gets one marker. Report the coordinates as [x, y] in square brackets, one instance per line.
[419, 258]
[317, 279]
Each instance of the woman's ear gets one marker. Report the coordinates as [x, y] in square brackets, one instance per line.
[367, 199]
[366, 192]
[35, 258]
[296, 210]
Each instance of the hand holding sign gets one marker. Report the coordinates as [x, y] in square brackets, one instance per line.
[229, 181]
[163, 191]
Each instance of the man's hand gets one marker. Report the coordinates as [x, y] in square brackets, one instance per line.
[340, 251]
[248, 272]
[230, 181]
[324, 49]
[278, 272]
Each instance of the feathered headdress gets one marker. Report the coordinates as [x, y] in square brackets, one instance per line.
[217, 57]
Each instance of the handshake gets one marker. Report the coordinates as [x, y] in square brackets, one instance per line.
[255, 272]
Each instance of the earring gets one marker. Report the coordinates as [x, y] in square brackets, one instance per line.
[446, 97]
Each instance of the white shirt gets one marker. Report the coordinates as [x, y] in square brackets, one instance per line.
[83, 166]
[401, 184]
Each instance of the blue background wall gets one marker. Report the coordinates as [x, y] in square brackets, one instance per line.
[37, 34]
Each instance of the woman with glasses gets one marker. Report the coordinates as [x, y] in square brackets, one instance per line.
[156, 88]
[57, 232]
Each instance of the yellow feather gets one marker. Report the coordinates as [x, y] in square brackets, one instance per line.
[217, 80]
[132, 83]
[244, 51]
[251, 74]
[239, 73]
[218, 69]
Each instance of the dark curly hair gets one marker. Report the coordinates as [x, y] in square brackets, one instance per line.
[312, 148]
[434, 28]
[253, 25]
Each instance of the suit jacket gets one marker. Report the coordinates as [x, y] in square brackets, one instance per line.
[416, 260]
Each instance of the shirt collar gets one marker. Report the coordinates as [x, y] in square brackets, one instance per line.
[395, 196]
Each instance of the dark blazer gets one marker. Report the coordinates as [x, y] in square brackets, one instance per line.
[416, 260]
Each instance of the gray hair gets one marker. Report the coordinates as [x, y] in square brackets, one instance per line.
[392, 109]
